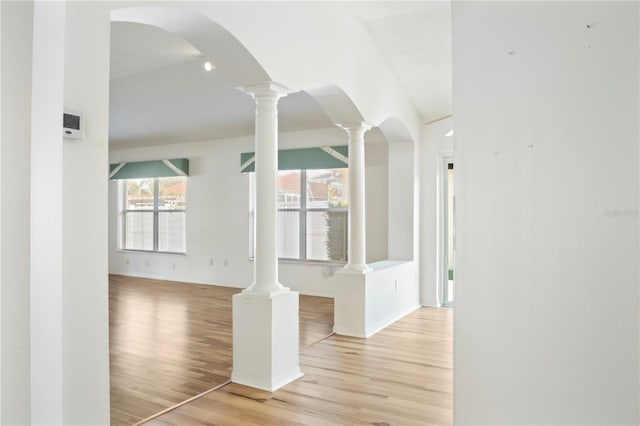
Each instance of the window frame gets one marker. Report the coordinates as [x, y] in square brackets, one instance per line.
[156, 217]
[302, 215]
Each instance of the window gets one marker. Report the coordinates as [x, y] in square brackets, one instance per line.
[153, 217]
[312, 214]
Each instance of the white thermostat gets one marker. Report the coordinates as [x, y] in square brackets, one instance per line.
[72, 125]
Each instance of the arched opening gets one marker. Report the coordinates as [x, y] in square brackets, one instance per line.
[336, 104]
[212, 40]
[181, 76]
[161, 98]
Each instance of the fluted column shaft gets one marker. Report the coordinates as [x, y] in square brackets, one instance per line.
[357, 232]
[266, 178]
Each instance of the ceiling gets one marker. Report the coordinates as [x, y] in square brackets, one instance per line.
[415, 39]
[160, 92]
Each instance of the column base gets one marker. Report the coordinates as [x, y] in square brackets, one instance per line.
[265, 291]
[269, 385]
[355, 269]
[265, 339]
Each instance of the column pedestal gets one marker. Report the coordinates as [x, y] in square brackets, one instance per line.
[265, 340]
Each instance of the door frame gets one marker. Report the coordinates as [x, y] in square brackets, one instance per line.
[444, 211]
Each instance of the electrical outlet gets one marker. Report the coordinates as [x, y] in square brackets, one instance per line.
[211, 261]
[173, 266]
[396, 285]
[126, 261]
[146, 263]
[226, 263]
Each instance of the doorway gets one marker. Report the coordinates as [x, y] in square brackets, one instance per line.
[449, 252]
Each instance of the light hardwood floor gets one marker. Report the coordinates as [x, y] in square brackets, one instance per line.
[400, 376]
[171, 341]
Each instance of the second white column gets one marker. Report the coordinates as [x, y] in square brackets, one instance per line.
[357, 239]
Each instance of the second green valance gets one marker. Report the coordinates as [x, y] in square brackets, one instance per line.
[326, 157]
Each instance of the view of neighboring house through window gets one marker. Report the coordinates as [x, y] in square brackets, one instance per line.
[312, 214]
[154, 214]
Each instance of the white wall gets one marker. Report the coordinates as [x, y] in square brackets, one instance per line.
[367, 303]
[401, 199]
[546, 148]
[17, 30]
[432, 150]
[84, 225]
[392, 293]
[1, 120]
[377, 195]
[218, 215]
[46, 284]
[69, 357]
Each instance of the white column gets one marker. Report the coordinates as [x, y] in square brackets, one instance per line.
[265, 315]
[266, 166]
[357, 252]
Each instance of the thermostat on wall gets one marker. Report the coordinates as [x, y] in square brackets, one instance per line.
[72, 125]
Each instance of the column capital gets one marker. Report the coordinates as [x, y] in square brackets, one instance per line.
[268, 90]
[355, 127]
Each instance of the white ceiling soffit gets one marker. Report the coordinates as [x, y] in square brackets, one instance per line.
[183, 102]
[160, 93]
[139, 48]
[415, 39]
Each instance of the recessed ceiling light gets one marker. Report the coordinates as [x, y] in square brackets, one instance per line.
[449, 133]
[208, 66]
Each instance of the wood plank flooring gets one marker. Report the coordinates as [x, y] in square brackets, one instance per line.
[171, 341]
[400, 376]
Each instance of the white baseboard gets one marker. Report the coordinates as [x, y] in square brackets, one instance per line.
[264, 383]
[386, 322]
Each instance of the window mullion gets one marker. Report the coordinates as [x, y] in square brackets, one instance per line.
[303, 214]
[156, 187]
[122, 187]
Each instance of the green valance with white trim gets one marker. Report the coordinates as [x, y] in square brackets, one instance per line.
[149, 169]
[326, 157]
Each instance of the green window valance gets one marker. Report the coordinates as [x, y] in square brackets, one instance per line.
[149, 169]
[326, 157]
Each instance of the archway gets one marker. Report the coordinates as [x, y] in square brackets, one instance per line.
[210, 38]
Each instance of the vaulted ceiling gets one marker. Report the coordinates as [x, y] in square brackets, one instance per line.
[415, 38]
[161, 93]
